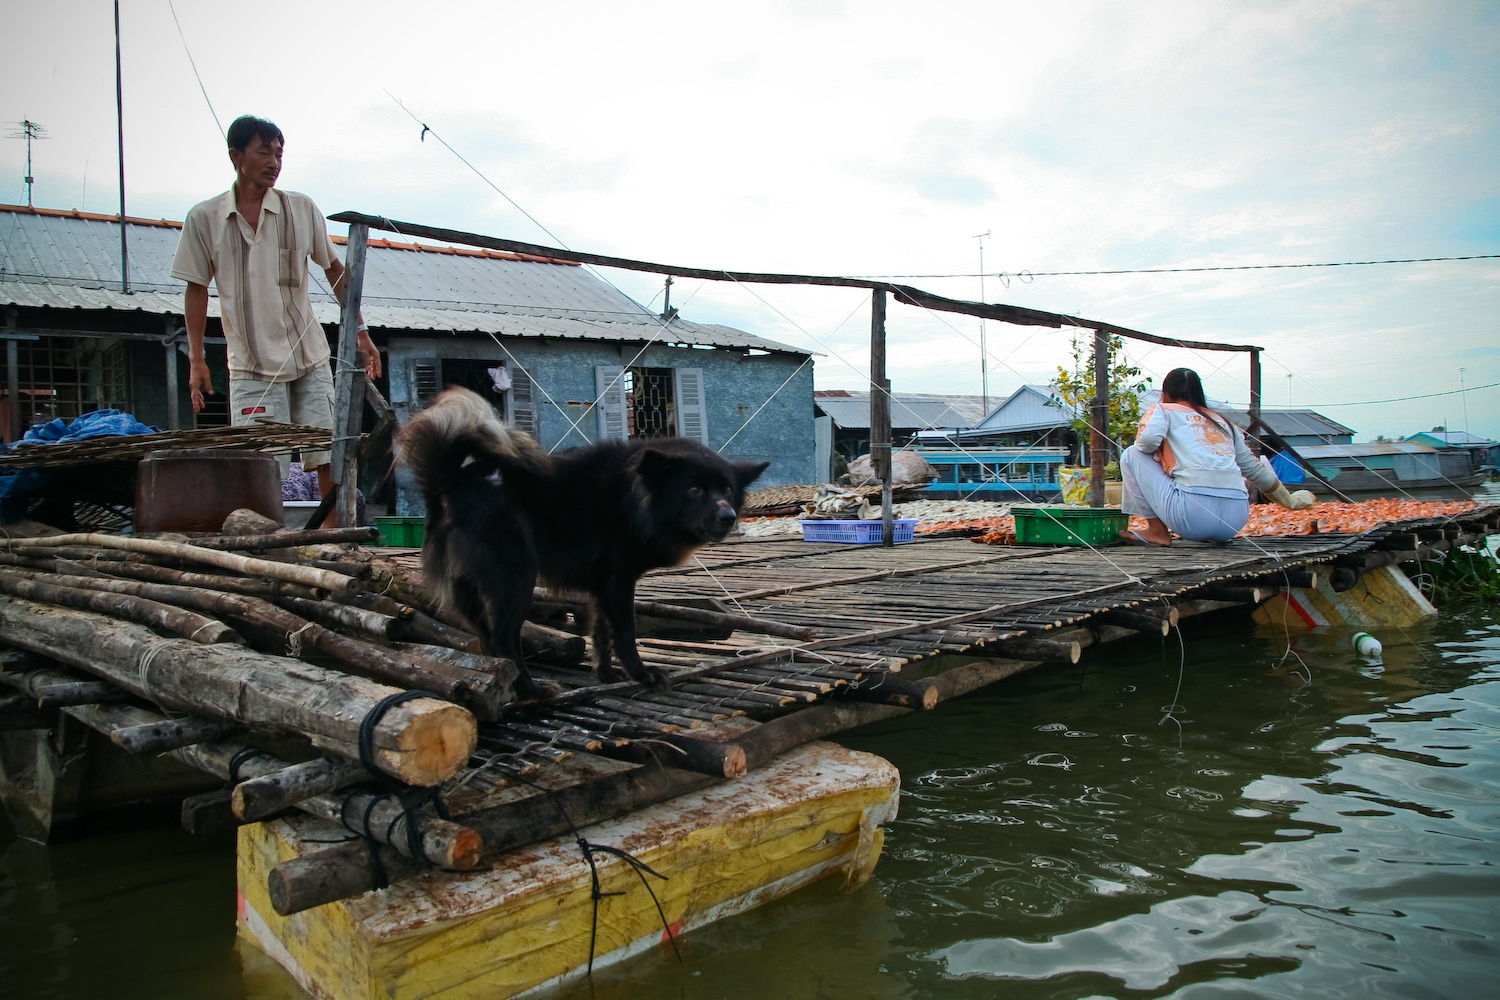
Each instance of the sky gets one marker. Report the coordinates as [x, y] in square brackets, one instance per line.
[872, 139]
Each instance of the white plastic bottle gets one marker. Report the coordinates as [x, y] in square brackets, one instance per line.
[1367, 645]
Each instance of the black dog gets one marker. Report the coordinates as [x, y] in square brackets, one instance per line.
[502, 513]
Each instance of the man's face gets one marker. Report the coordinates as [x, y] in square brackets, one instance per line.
[260, 163]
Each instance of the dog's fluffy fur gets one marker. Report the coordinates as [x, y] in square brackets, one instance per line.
[502, 513]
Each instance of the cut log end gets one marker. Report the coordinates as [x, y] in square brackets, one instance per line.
[467, 846]
[438, 741]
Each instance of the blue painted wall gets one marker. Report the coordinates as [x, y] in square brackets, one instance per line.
[759, 409]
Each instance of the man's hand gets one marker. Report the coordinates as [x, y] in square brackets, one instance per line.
[371, 353]
[199, 382]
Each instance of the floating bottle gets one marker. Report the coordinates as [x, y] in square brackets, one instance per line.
[1367, 645]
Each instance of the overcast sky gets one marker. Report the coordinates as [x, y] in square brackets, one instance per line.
[870, 138]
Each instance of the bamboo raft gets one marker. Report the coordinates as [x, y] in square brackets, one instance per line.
[307, 672]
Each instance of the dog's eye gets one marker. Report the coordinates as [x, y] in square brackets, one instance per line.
[695, 491]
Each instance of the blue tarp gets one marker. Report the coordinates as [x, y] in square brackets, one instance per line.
[18, 488]
[1287, 468]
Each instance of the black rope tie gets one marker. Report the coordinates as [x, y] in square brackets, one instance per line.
[596, 891]
[410, 800]
[241, 757]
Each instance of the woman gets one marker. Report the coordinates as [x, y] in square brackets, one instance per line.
[1186, 471]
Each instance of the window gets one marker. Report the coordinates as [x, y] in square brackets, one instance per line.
[64, 377]
[506, 387]
[650, 402]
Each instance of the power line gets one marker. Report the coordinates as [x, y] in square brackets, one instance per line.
[194, 64]
[1006, 276]
[1430, 395]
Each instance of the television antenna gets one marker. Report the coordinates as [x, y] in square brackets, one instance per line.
[29, 130]
[984, 353]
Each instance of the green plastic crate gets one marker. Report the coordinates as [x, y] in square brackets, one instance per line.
[401, 531]
[1061, 524]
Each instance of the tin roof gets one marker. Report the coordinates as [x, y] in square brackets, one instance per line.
[1369, 449]
[850, 409]
[1453, 439]
[71, 260]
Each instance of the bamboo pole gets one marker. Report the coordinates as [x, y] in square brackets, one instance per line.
[420, 742]
[291, 572]
[166, 617]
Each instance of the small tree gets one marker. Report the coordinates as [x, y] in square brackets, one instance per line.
[1076, 388]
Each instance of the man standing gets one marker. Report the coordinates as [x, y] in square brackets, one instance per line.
[253, 241]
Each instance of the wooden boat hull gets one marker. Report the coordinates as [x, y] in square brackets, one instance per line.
[526, 923]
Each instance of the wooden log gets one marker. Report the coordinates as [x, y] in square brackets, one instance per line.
[292, 572]
[47, 688]
[420, 742]
[152, 573]
[153, 738]
[265, 795]
[279, 630]
[741, 623]
[1235, 594]
[346, 869]
[553, 645]
[187, 624]
[720, 760]
[342, 616]
[208, 812]
[288, 539]
[1140, 621]
[244, 521]
[1040, 647]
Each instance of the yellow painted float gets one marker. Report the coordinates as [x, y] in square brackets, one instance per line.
[526, 923]
[1383, 597]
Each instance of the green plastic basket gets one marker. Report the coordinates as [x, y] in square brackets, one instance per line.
[1060, 524]
[406, 532]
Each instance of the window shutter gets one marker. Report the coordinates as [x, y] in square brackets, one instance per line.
[519, 403]
[692, 413]
[609, 401]
[426, 381]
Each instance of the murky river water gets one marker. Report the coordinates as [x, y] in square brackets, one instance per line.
[1216, 818]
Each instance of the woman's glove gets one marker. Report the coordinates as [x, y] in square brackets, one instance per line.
[1301, 500]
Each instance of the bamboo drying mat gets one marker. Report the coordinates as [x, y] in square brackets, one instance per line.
[268, 437]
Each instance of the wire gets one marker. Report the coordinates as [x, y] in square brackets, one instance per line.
[1028, 275]
[193, 64]
[1430, 395]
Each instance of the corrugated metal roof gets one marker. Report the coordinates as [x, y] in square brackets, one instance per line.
[1369, 449]
[1454, 439]
[1292, 423]
[850, 410]
[72, 261]
[1030, 408]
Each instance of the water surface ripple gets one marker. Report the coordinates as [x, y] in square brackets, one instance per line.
[1305, 825]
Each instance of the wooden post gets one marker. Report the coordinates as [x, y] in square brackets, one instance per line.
[174, 418]
[1254, 386]
[880, 413]
[349, 392]
[1099, 420]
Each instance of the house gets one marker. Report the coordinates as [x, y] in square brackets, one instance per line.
[1034, 416]
[911, 413]
[1386, 468]
[1296, 427]
[1483, 453]
[558, 350]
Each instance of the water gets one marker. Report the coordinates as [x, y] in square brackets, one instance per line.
[1218, 819]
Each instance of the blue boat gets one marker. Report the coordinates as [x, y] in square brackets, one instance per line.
[999, 474]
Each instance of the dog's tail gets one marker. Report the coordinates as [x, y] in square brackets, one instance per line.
[458, 427]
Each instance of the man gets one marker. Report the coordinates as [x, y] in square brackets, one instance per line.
[253, 242]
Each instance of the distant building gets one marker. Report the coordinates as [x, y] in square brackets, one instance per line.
[557, 351]
[1033, 416]
[911, 413]
[1483, 453]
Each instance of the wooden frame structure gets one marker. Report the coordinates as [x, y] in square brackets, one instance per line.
[348, 387]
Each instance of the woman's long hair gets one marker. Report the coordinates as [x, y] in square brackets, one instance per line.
[1184, 385]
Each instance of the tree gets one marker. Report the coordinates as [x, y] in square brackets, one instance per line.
[1126, 383]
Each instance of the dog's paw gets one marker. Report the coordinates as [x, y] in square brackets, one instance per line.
[608, 673]
[535, 690]
[652, 676]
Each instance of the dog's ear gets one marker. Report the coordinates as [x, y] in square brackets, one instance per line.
[652, 464]
[746, 473]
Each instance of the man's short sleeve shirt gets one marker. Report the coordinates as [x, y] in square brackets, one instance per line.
[262, 280]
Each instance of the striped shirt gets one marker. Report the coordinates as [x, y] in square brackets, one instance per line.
[261, 277]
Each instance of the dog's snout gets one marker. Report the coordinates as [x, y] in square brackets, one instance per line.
[727, 514]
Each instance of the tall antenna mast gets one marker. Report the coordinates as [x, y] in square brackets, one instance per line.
[984, 352]
[29, 130]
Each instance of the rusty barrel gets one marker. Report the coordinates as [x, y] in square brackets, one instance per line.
[195, 490]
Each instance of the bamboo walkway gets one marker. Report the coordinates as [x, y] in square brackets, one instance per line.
[770, 643]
